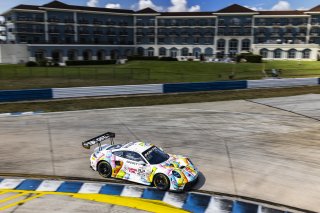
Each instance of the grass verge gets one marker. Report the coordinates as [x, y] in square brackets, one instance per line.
[112, 102]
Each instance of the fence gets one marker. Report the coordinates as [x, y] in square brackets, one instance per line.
[75, 92]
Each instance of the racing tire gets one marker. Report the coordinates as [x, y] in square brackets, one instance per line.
[161, 182]
[104, 169]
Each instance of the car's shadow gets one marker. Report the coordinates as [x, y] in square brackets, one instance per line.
[201, 181]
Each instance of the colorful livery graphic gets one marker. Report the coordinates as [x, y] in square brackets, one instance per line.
[142, 163]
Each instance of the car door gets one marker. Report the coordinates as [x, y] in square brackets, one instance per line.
[136, 166]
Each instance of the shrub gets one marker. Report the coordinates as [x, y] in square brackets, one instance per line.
[168, 59]
[249, 57]
[138, 57]
[90, 62]
[31, 64]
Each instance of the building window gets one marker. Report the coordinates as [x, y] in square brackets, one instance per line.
[151, 40]
[140, 51]
[264, 53]
[162, 51]
[306, 53]
[184, 40]
[292, 53]
[233, 47]
[185, 52]
[277, 53]
[160, 40]
[245, 45]
[221, 45]
[150, 52]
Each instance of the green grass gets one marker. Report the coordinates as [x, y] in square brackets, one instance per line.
[141, 72]
[101, 103]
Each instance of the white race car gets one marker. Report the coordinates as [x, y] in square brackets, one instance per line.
[142, 163]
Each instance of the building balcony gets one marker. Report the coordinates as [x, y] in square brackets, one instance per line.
[275, 35]
[54, 31]
[208, 34]
[29, 19]
[110, 33]
[315, 34]
[185, 34]
[173, 34]
[97, 22]
[53, 20]
[28, 31]
[162, 33]
[123, 24]
[83, 32]
[110, 23]
[69, 21]
[69, 32]
[150, 34]
[97, 32]
[301, 34]
[140, 34]
[83, 21]
[197, 34]
[123, 33]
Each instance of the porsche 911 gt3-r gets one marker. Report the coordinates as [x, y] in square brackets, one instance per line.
[142, 163]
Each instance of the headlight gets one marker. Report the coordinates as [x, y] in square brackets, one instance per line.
[190, 161]
[176, 174]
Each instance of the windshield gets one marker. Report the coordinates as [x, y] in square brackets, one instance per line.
[154, 155]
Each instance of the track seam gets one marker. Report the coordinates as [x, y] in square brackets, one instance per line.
[285, 110]
[51, 146]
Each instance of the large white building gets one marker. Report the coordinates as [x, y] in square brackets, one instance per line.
[67, 32]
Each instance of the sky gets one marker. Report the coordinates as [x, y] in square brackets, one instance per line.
[174, 5]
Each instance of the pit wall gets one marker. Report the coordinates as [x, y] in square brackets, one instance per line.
[79, 92]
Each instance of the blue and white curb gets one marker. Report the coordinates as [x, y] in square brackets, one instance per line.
[20, 113]
[193, 202]
[80, 92]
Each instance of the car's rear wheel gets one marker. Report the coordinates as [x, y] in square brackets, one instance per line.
[161, 181]
[104, 169]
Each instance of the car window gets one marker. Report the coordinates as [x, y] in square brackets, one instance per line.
[119, 153]
[133, 156]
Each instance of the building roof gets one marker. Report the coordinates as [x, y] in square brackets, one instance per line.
[283, 12]
[235, 8]
[147, 10]
[60, 5]
[186, 14]
[315, 9]
[26, 7]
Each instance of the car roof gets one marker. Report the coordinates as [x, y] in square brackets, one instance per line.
[139, 146]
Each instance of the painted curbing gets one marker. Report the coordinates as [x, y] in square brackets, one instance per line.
[193, 202]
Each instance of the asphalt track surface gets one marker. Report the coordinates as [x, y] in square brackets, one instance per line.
[266, 149]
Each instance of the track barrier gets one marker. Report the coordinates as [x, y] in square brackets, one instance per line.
[78, 92]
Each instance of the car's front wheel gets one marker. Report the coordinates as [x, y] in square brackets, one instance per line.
[161, 181]
[104, 169]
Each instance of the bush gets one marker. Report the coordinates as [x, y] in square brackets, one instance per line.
[249, 57]
[138, 57]
[31, 64]
[168, 59]
[90, 62]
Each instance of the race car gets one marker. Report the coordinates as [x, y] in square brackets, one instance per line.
[142, 163]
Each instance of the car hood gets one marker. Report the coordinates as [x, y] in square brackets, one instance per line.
[181, 164]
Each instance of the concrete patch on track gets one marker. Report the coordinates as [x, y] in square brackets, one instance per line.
[241, 148]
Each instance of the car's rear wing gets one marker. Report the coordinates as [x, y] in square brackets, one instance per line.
[97, 140]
